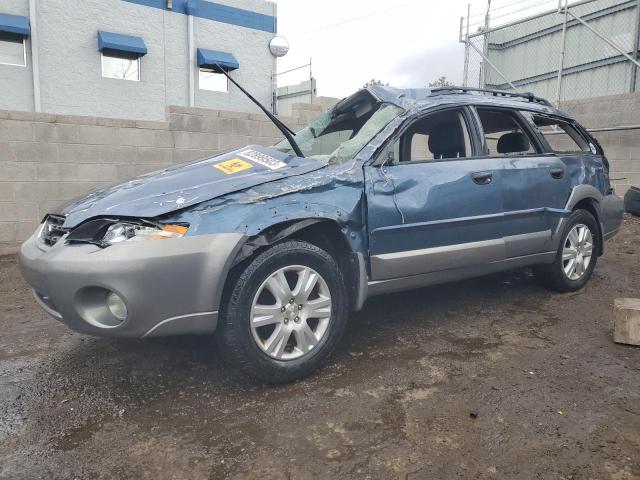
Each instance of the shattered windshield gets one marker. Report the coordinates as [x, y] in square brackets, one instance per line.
[340, 133]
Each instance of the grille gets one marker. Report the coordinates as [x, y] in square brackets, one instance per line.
[52, 230]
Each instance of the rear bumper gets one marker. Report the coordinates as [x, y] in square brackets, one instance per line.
[169, 287]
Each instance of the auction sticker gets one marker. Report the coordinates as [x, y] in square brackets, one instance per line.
[262, 159]
[232, 166]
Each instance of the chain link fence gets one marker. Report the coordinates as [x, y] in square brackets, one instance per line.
[581, 50]
[294, 85]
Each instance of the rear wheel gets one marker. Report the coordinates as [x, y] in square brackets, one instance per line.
[285, 314]
[577, 254]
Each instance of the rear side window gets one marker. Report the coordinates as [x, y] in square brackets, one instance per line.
[561, 136]
[504, 135]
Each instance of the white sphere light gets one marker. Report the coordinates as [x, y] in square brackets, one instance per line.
[279, 46]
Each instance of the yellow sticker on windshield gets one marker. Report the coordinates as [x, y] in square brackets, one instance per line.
[234, 165]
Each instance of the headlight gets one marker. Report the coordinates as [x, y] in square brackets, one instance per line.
[120, 232]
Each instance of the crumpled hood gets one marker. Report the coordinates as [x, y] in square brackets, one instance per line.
[183, 185]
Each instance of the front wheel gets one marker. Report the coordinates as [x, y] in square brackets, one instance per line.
[285, 314]
[577, 254]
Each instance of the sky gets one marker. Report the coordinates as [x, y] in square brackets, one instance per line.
[403, 43]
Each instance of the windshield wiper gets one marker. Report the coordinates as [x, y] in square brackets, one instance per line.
[286, 131]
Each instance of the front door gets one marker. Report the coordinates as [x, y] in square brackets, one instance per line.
[433, 203]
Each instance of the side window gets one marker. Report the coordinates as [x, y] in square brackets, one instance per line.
[561, 136]
[503, 133]
[437, 136]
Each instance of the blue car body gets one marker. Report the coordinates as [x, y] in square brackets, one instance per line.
[404, 225]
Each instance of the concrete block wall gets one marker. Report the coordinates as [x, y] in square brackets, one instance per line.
[622, 148]
[615, 121]
[609, 111]
[46, 159]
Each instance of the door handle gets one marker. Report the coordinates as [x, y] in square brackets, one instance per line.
[482, 178]
[557, 173]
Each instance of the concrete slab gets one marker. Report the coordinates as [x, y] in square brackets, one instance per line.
[626, 321]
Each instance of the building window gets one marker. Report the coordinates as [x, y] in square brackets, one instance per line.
[213, 81]
[12, 50]
[121, 66]
[211, 64]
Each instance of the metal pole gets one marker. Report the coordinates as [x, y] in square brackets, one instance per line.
[310, 83]
[192, 62]
[636, 47]
[563, 44]
[465, 75]
[493, 66]
[485, 45]
[294, 69]
[35, 64]
[605, 39]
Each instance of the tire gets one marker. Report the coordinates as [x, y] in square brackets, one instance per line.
[267, 337]
[632, 201]
[558, 275]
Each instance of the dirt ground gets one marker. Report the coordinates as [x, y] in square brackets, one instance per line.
[488, 378]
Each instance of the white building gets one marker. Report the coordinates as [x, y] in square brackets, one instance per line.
[132, 58]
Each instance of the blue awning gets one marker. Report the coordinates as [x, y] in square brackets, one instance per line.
[211, 59]
[121, 43]
[14, 24]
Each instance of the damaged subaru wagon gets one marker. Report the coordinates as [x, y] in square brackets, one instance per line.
[272, 247]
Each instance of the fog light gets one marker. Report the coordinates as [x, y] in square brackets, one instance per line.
[116, 306]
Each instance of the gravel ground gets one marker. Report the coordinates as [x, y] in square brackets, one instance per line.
[489, 378]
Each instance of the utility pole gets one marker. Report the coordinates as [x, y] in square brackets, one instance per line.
[563, 44]
[465, 75]
[636, 47]
[485, 46]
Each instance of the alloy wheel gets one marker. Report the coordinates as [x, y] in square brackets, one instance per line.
[577, 252]
[290, 313]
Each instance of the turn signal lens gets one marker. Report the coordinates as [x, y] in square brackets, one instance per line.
[180, 229]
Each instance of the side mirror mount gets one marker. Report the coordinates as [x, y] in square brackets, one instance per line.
[385, 158]
[389, 158]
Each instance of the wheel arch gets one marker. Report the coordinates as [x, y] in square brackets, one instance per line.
[592, 206]
[589, 198]
[325, 233]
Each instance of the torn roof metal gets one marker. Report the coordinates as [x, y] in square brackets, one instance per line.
[421, 98]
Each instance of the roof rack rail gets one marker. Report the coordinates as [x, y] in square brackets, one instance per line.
[496, 93]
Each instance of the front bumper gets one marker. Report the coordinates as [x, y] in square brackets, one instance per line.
[169, 286]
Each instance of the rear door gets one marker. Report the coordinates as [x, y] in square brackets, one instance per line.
[435, 203]
[534, 181]
[575, 155]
